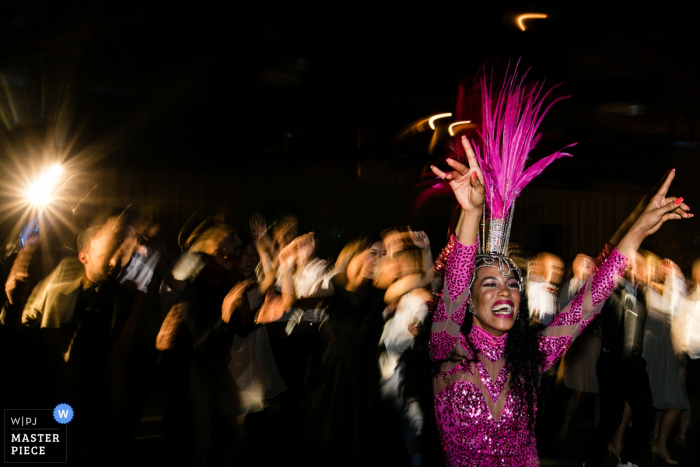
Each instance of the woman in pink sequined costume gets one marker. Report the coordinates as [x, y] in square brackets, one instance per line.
[486, 416]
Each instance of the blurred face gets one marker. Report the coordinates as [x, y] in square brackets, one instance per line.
[554, 268]
[101, 256]
[387, 272]
[395, 241]
[583, 267]
[366, 262]
[224, 248]
[536, 270]
[286, 231]
[496, 300]
[249, 259]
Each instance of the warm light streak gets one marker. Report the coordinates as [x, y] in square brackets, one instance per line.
[40, 194]
[525, 16]
[431, 120]
[450, 129]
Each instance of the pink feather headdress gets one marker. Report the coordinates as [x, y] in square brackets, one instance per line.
[507, 134]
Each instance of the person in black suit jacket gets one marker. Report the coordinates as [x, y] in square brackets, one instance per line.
[80, 313]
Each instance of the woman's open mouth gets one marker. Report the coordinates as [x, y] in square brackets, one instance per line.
[503, 309]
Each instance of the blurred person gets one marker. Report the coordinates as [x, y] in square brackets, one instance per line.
[546, 272]
[295, 329]
[490, 359]
[43, 249]
[578, 368]
[198, 334]
[622, 376]
[254, 369]
[583, 266]
[666, 369]
[252, 362]
[685, 331]
[399, 333]
[345, 414]
[96, 325]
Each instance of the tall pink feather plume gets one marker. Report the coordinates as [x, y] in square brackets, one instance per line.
[508, 134]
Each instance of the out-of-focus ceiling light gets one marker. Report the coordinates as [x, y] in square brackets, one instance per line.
[431, 120]
[451, 130]
[41, 192]
[519, 20]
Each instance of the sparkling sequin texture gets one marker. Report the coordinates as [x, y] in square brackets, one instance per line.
[487, 345]
[482, 422]
[461, 264]
[571, 322]
[439, 268]
[494, 387]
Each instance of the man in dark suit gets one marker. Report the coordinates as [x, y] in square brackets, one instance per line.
[96, 325]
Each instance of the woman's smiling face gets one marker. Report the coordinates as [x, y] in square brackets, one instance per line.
[496, 300]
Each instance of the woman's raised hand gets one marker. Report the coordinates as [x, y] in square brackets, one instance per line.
[258, 227]
[660, 209]
[420, 239]
[467, 183]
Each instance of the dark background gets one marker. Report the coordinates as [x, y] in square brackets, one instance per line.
[272, 106]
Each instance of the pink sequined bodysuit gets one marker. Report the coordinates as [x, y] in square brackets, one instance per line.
[481, 422]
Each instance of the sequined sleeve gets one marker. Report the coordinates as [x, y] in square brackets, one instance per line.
[451, 309]
[570, 323]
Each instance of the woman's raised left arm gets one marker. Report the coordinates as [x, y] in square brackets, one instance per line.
[569, 324]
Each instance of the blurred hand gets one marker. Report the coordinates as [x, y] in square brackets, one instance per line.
[171, 324]
[17, 279]
[287, 258]
[297, 251]
[273, 307]
[420, 239]
[305, 246]
[258, 227]
[234, 299]
[466, 182]
[669, 268]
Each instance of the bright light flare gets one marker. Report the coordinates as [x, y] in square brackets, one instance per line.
[451, 130]
[431, 120]
[525, 16]
[40, 193]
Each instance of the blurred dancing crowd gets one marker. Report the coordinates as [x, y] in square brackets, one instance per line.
[271, 354]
